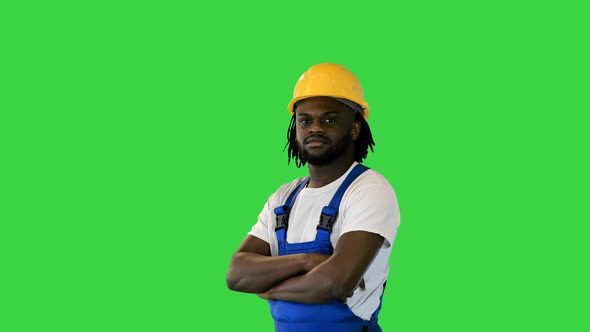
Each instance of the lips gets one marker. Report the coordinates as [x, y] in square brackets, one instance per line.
[316, 141]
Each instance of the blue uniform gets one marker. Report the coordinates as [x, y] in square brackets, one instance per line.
[326, 317]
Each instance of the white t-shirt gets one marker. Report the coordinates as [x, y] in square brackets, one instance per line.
[368, 205]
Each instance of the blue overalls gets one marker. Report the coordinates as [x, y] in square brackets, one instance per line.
[326, 317]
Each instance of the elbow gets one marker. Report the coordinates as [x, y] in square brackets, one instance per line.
[233, 280]
[239, 282]
[234, 285]
[241, 285]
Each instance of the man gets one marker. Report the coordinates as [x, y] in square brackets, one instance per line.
[329, 275]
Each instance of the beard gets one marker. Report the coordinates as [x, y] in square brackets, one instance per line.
[331, 153]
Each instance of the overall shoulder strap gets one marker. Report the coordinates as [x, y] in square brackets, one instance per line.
[282, 212]
[330, 212]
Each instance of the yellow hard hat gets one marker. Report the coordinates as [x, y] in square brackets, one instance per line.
[329, 80]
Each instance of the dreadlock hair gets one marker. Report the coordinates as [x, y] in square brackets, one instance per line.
[361, 145]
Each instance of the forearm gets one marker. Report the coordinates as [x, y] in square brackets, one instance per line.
[254, 273]
[314, 287]
[337, 277]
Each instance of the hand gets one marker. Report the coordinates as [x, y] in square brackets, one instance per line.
[360, 285]
[264, 296]
[313, 260]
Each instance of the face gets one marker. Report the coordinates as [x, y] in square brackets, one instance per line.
[326, 130]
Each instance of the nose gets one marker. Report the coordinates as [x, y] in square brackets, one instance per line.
[315, 127]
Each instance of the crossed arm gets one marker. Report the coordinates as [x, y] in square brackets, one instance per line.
[305, 278]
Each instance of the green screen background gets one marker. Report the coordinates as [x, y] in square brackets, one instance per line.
[140, 140]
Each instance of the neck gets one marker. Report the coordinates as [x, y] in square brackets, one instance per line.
[322, 175]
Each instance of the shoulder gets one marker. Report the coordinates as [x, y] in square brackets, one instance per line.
[371, 205]
[371, 179]
[283, 192]
[371, 190]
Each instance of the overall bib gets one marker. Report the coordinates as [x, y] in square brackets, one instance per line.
[326, 317]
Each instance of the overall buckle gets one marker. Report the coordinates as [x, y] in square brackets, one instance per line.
[282, 218]
[326, 222]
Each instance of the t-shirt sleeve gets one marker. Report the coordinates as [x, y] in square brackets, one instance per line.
[260, 229]
[264, 227]
[373, 208]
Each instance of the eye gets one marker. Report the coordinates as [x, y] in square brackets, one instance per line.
[304, 122]
[329, 121]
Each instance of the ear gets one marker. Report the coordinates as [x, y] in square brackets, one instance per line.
[356, 130]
